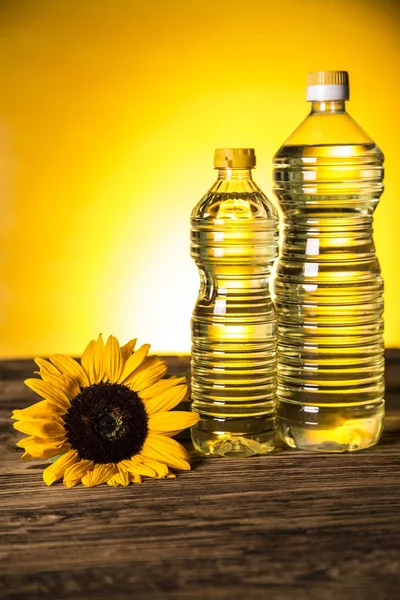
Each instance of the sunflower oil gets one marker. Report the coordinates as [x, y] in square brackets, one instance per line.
[234, 241]
[328, 180]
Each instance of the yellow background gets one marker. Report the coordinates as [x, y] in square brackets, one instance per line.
[109, 115]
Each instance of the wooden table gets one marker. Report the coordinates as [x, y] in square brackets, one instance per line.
[288, 526]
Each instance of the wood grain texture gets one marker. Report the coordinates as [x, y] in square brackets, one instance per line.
[288, 526]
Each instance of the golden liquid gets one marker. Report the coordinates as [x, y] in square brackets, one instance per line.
[234, 244]
[329, 298]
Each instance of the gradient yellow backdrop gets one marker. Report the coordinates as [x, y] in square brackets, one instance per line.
[109, 115]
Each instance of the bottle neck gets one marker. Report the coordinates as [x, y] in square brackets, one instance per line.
[328, 106]
[234, 174]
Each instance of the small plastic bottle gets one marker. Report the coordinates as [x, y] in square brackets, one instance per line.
[328, 180]
[234, 242]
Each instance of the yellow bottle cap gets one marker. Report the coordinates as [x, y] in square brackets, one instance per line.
[328, 85]
[328, 78]
[234, 158]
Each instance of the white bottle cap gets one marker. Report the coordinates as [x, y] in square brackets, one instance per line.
[328, 85]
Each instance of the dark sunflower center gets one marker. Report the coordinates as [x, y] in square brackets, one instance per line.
[106, 423]
[111, 425]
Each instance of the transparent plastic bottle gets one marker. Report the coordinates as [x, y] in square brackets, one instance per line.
[328, 179]
[234, 242]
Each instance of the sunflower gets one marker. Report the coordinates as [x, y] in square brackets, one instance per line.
[106, 419]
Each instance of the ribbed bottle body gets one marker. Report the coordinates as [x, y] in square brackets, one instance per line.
[329, 297]
[233, 370]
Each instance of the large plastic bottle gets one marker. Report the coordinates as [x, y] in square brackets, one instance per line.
[328, 179]
[234, 238]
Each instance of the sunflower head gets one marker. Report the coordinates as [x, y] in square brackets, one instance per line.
[107, 419]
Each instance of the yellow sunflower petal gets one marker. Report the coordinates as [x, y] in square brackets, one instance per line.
[42, 428]
[49, 391]
[65, 383]
[121, 478]
[92, 360]
[66, 364]
[25, 441]
[135, 466]
[26, 456]
[133, 362]
[38, 448]
[171, 423]
[31, 439]
[127, 349]
[165, 401]
[46, 367]
[112, 359]
[98, 354]
[46, 451]
[70, 386]
[56, 469]
[164, 449]
[87, 362]
[152, 369]
[40, 410]
[134, 477]
[159, 468]
[160, 387]
[100, 474]
[74, 474]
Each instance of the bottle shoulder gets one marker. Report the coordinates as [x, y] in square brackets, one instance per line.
[330, 130]
[234, 201]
